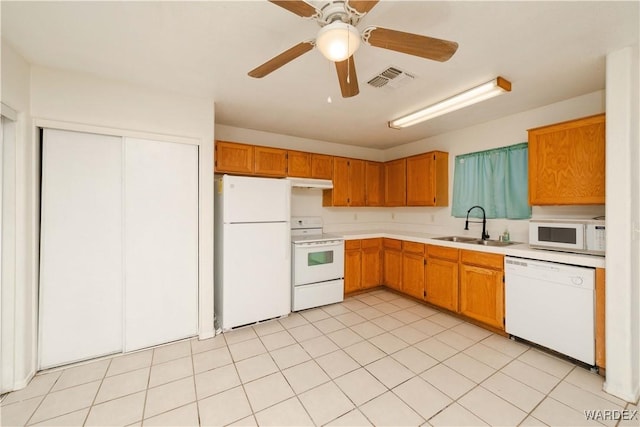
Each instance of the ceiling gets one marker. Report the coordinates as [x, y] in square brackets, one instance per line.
[550, 51]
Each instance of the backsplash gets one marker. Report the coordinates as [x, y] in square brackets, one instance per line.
[308, 202]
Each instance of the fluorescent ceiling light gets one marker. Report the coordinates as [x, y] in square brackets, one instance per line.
[487, 90]
[338, 41]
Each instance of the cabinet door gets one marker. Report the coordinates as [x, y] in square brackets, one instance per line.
[482, 294]
[270, 161]
[442, 283]
[395, 183]
[298, 164]
[420, 180]
[428, 179]
[339, 194]
[352, 270]
[413, 274]
[356, 182]
[321, 166]
[374, 177]
[392, 267]
[567, 163]
[371, 263]
[232, 157]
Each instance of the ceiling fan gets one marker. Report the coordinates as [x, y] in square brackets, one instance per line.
[338, 38]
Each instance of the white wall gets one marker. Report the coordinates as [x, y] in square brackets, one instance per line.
[22, 283]
[623, 225]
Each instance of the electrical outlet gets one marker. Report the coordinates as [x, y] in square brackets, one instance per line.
[355, 217]
[393, 215]
[432, 218]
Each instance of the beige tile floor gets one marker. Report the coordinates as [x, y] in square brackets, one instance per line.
[375, 359]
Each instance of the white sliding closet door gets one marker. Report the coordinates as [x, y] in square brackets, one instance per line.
[161, 242]
[81, 247]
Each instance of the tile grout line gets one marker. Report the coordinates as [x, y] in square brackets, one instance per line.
[97, 391]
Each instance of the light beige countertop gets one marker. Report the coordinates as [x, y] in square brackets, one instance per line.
[517, 250]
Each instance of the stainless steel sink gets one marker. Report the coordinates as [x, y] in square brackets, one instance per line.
[493, 243]
[475, 241]
[458, 239]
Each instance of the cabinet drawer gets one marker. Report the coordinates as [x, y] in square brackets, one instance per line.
[352, 244]
[483, 259]
[371, 243]
[415, 248]
[443, 252]
[392, 244]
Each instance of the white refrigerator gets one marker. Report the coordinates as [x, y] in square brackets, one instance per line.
[252, 258]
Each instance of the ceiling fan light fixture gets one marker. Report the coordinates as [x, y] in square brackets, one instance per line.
[472, 96]
[338, 41]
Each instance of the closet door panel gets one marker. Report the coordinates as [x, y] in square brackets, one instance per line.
[161, 242]
[81, 247]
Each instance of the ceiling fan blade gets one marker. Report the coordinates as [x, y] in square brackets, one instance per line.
[412, 44]
[280, 60]
[362, 6]
[347, 77]
[298, 7]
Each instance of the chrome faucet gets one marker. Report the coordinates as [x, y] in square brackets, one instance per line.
[485, 235]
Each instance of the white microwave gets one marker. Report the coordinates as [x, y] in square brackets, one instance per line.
[579, 236]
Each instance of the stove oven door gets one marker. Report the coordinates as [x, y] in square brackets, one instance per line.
[317, 261]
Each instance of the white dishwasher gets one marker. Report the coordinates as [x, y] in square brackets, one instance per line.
[551, 305]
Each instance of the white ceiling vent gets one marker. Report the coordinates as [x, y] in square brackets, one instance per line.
[391, 77]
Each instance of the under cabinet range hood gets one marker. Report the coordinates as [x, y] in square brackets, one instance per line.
[310, 183]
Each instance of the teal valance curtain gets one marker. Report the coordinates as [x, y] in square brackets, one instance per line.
[495, 179]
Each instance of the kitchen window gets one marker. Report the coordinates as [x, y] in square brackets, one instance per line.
[495, 179]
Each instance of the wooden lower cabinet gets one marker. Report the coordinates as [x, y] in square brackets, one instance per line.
[352, 266]
[482, 287]
[371, 271]
[392, 263]
[362, 264]
[442, 277]
[413, 263]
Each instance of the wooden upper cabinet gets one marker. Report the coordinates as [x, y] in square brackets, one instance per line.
[567, 163]
[428, 179]
[395, 183]
[356, 182]
[299, 164]
[374, 181]
[339, 194]
[231, 157]
[270, 161]
[348, 183]
[321, 166]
